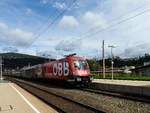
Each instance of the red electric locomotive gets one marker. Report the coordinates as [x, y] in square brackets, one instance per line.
[72, 69]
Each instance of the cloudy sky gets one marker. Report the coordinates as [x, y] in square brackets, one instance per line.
[59, 27]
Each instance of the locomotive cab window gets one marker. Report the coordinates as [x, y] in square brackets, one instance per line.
[81, 65]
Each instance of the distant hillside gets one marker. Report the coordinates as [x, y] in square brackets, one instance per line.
[119, 62]
[18, 60]
[11, 55]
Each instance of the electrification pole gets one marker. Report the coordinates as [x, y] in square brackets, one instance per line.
[112, 62]
[103, 56]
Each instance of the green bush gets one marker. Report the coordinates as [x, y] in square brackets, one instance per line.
[122, 77]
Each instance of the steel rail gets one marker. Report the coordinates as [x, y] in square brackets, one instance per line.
[118, 95]
[46, 95]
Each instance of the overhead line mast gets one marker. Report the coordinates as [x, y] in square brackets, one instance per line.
[103, 56]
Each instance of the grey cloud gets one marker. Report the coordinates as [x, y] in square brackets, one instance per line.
[49, 54]
[15, 36]
[68, 22]
[138, 50]
[10, 49]
[66, 45]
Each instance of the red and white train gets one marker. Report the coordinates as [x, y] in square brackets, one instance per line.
[72, 69]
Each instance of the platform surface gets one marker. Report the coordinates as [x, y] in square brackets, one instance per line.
[141, 88]
[123, 82]
[14, 99]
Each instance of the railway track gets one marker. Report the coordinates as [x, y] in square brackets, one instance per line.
[118, 95]
[60, 102]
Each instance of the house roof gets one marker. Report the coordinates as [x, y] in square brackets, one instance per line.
[141, 67]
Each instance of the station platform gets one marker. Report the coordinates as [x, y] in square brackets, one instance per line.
[14, 99]
[141, 88]
[123, 82]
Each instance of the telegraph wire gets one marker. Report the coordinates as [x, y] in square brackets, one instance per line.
[130, 12]
[99, 31]
[53, 22]
[47, 20]
[118, 23]
[113, 25]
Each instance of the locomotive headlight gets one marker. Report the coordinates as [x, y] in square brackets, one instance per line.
[78, 79]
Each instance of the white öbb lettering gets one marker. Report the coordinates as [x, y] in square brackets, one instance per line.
[61, 69]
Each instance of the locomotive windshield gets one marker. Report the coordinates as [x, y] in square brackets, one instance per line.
[81, 65]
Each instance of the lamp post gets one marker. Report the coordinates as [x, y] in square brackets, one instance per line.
[112, 62]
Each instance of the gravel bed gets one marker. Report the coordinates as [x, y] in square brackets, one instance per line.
[108, 103]
[100, 101]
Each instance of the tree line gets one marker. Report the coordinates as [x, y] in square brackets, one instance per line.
[96, 64]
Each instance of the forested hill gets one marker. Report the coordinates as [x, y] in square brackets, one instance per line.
[119, 62]
[18, 60]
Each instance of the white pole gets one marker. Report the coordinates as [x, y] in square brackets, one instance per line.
[112, 62]
[112, 71]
